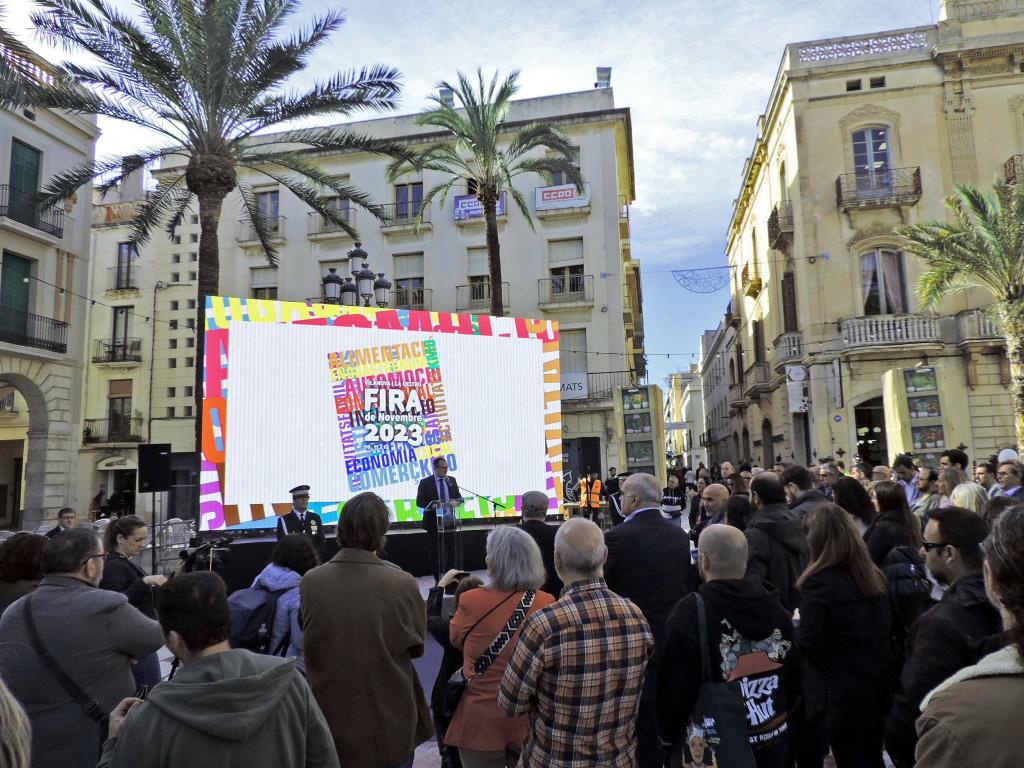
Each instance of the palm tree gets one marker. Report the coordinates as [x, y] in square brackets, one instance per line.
[479, 150]
[208, 76]
[983, 247]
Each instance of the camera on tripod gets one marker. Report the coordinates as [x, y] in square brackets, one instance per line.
[211, 556]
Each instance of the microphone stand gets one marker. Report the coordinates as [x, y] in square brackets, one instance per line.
[485, 498]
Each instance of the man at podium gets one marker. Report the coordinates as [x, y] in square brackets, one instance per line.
[435, 489]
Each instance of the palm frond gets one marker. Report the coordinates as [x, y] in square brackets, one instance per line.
[155, 209]
[258, 221]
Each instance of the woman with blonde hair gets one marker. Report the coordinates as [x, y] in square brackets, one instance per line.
[515, 572]
[15, 732]
[950, 478]
[969, 496]
[844, 638]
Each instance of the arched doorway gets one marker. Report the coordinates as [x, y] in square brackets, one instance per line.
[745, 452]
[48, 461]
[767, 444]
[869, 417]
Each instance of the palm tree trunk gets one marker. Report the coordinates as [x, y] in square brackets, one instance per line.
[494, 256]
[210, 204]
[1012, 316]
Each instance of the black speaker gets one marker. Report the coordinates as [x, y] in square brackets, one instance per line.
[154, 467]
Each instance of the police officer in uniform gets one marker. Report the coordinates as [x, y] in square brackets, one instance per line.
[300, 519]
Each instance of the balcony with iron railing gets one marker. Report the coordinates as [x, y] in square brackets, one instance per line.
[412, 298]
[127, 351]
[979, 327]
[319, 227]
[878, 189]
[28, 330]
[787, 348]
[780, 225]
[124, 277]
[401, 218]
[565, 292]
[889, 331]
[275, 226]
[476, 297]
[115, 430]
[23, 208]
[756, 379]
[737, 401]
[1013, 170]
[601, 387]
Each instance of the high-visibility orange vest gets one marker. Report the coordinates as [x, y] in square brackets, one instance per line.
[590, 494]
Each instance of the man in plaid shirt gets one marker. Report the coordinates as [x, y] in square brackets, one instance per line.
[578, 666]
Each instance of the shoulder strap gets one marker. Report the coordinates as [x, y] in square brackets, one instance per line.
[91, 707]
[477, 622]
[702, 627]
[501, 640]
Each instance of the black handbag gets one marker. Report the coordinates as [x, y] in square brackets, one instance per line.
[719, 717]
[457, 683]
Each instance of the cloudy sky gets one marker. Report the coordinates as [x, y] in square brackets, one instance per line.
[696, 75]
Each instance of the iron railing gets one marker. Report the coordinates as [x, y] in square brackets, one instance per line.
[477, 296]
[123, 277]
[886, 330]
[274, 224]
[565, 288]
[121, 429]
[1013, 170]
[602, 386]
[317, 224]
[879, 189]
[780, 223]
[23, 208]
[404, 214]
[7, 403]
[28, 330]
[127, 350]
[411, 298]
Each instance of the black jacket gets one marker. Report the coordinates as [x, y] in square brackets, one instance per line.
[648, 562]
[777, 550]
[884, 535]
[52, 532]
[313, 527]
[737, 610]
[544, 535]
[844, 640]
[122, 575]
[427, 492]
[451, 660]
[675, 497]
[694, 512]
[806, 502]
[943, 640]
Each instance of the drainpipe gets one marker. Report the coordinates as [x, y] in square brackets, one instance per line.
[159, 284]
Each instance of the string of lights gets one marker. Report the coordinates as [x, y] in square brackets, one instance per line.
[96, 302]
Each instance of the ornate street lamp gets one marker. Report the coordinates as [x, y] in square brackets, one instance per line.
[356, 257]
[364, 280]
[382, 290]
[349, 296]
[332, 286]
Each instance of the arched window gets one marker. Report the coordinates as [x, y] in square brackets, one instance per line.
[883, 282]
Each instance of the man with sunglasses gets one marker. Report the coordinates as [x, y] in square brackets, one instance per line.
[66, 650]
[946, 638]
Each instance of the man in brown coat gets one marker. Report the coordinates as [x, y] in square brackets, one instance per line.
[363, 622]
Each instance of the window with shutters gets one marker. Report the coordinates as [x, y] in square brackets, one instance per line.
[565, 265]
[478, 275]
[789, 314]
[408, 289]
[24, 183]
[262, 283]
[759, 350]
[119, 408]
[572, 346]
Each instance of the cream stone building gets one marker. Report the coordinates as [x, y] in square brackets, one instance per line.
[833, 355]
[575, 266]
[44, 262]
[684, 406]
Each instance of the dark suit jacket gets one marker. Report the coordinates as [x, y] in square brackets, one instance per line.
[52, 532]
[544, 535]
[290, 523]
[427, 492]
[648, 563]
[122, 575]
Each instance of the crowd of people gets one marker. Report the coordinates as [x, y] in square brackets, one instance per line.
[736, 616]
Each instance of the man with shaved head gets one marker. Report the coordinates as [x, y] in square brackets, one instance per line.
[583, 655]
[648, 563]
[712, 509]
[749, 639]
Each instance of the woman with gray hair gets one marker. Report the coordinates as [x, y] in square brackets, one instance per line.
[969, 496]
[484, 619]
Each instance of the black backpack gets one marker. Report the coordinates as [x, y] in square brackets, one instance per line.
[252, 619]
[910, 594]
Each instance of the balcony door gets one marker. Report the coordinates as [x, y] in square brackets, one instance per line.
[24, 181]
[268, 203]
[883, 283]
[14, 297]
[125, 259]
[872, 160]
[408, 200]
[119, 410]
[120, 333]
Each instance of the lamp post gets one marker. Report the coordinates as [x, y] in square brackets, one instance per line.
[364, 283]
